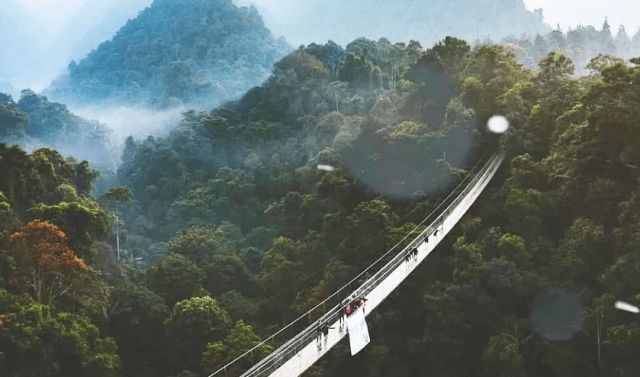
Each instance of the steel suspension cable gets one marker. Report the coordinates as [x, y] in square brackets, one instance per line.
[287, 345]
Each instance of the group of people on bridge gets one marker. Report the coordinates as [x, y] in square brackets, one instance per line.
[349, 306]
[354, 304]
[413, 253]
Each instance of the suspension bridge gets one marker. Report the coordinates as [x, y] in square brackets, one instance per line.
[307, 347]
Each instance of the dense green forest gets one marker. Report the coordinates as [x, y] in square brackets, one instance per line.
[166, 57]
[227, 230]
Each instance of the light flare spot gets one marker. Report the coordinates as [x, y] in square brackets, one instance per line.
[621, 305]
[326, 168]
[498, 124]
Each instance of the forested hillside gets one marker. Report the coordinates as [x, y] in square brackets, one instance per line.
[228, 230]
[34, 122]
[196, 52]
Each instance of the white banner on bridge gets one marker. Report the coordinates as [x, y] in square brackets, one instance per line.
[358, 332]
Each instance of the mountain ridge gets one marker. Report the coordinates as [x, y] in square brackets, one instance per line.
[191, 51]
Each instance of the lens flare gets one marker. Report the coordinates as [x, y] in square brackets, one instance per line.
[621, 305]
[325, 168]
[498, 124]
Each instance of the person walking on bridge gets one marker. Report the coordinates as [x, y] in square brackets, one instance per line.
[342, 312]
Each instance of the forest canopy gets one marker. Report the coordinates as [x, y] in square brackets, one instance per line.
[232, 231]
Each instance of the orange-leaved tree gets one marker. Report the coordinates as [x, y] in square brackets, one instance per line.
[45, 263]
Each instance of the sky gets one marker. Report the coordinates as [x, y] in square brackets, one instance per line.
[55, 13]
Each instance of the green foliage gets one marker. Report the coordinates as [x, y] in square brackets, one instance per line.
[136, 317]
[502, 356]
[196, 315]
[195, 321]
[240, 339]
[238, 194]
[174, 57]
[83, 221]
[46, 186]
[174, 278]
[13, 122]
[278, 264]
[513, 248]
[239, 306]
[36, 341]
[115, 196]
[35, 121]
[215, 251]
[196, 243]
[408, 129]
[583, 253]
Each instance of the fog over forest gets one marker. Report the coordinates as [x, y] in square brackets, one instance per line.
[35, 55]
[182, 179]
[39, 60]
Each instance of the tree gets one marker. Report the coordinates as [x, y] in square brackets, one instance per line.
[502, 356]
[46, 265]
[339, 89]
[277, 266]
[193, 323]
[555, 68]
[614, 116]
[281, 268]
[13, 122]
[446, 328]
[114, 198]
[240, 340]
[513, 248]
[215, 252]
[84, 222]
[83, 177]
[601, 61]
[363, 238]
[37, 341]
[450, 52]
[136, 317]
[356, 70]
[175, 278]
[240, 307]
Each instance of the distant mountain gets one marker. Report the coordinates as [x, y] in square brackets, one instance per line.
[35, 122]
[402, 20]
[197, 52]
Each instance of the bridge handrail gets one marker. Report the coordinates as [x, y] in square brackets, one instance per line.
[309, 334]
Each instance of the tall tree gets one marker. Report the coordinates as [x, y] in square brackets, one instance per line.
[114, 198]
[45, 264]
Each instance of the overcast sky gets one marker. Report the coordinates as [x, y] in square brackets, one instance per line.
[54, 13]
[588, 12]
